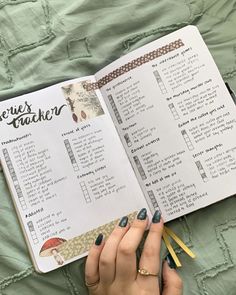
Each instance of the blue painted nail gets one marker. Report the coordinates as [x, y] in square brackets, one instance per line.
[156, 217]
[123, 222]
[170, 261]
[99, 239]
[142, 215]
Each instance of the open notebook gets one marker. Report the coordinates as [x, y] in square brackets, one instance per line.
[155, 129]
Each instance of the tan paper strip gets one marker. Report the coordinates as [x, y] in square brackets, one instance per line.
[134, 64]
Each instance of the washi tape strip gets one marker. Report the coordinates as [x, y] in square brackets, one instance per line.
[134, 64]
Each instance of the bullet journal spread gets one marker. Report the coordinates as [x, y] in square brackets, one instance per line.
[154, 129]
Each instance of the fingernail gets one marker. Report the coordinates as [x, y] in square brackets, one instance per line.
[170, 261]
[156, 217]
[142, 215]
[99, 239]
[123, 222]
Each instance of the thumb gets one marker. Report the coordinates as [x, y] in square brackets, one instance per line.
[172, 283]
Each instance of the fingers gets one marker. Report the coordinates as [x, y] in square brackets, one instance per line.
[92, 263]
[107, 263]
[101, 261]
[172, 283]
[115, 260]
[126, 267]
[150, 258]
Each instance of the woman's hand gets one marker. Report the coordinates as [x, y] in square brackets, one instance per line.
[111, 266]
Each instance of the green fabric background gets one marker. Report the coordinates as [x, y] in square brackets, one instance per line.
[46, 41]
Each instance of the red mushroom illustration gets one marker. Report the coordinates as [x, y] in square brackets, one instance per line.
[51, 247]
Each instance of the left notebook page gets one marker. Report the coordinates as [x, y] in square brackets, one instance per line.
[68, 173]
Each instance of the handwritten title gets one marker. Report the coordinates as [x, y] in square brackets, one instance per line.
[24, 114]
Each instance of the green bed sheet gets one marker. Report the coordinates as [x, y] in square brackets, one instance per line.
[43, 42]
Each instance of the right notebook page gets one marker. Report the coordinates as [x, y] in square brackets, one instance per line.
[176, 120]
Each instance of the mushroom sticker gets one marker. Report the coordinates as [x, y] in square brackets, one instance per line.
[51, 248]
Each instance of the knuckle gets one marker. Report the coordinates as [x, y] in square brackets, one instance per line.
[156, 230]
[149, 252]
[116, 235]
[104, 261]
[117, 232]
[88, 277]
[139, 224]
[125, 249]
